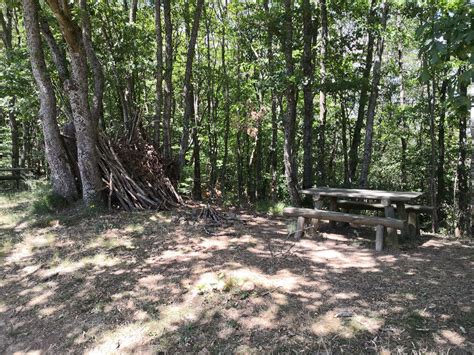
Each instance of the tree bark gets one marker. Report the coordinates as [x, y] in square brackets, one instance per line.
[289, 157]
[86, 128]
[322, 94]
[62, 177]
[441, 149]
[373, 103]
[188, 99]
[168, 80]
[159, 73]
[431, 110]
[307, 95]
[354, 150]
[463, 223]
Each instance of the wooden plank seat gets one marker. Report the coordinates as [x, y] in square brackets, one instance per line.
[380, 222]
[413, 212]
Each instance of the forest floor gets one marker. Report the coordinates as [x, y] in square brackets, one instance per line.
[148, 282]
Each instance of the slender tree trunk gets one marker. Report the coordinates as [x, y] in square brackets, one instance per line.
[344, 141]
[463, 223]
[372, 104]
[431, 108]
[403, 138]
[159, 74]
[226, 106]
[356, 137]
[441, 149]
[197, 191]
[307, 95]
[86, 128]
[188, 100]
[322, 94]
[62, 177]
[97, 109]
[168, 80]
[289, 155]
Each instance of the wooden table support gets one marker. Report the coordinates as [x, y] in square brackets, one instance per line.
[391, 238]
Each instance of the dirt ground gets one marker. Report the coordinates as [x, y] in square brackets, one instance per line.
[148, 282]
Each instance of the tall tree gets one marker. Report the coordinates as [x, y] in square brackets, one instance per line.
[354, 149]
[62, 177]
[159, 73]
[373, 102]
[187, 91]
[322, 93]
[85, 126]
[168, 80]
[289, 154]
[307, 64]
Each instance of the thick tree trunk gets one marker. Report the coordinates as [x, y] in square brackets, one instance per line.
[307, 95]
[62, 177]
[289, 155]
[86, 128]
[372, 104]
[463, 223]
[188, 99]
[354, 150]
[168, 80]
[159, 74]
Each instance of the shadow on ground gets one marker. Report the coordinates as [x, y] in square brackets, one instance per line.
[153, 282]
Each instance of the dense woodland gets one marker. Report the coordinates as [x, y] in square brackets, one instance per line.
[245, 101]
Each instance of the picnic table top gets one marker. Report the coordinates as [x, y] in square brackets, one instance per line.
[401, 196]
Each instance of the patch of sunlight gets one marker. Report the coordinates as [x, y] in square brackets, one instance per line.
[30, 241]
[329, 324]
[161, 218]
[345, 295]
[449, 336]
[41, 298]
[110, 239]
[3, 307]
[50, 310]
[134, 228]
[123, 338]
[67, 266]
[267, 319]
[283, 279]
[150, 282]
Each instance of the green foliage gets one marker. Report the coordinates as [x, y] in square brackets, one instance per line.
[47, 202]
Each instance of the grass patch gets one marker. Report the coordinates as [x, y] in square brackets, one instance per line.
[270, 207]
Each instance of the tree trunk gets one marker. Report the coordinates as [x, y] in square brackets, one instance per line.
[97, 110]
[159, 73]
[307, 95]
[168, 81]
[463, 223]
[226, 106]
[356, 137]
[86, 128]
[188, 99]
[441, 149]
[322, 94]
[403, 138]
[344, 141]
[373, 103]
[62, 177]
[289, 157]
[431, 108]
[197, 192]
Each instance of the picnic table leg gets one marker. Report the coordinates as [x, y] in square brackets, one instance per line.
[333, 207]
[402, 214]
[392, 237]
[299, 228]
[412, 224]
[317, 204]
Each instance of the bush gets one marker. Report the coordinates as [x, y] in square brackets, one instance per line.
[46, 201]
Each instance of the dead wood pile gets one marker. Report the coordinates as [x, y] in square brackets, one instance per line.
[134, 176]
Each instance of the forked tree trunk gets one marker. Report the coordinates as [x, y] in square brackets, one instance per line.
[62, 177]
[354, 150]
[372, 104]
[289, 155]
[86, 128]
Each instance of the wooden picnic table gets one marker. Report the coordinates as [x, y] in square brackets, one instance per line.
[387, 199]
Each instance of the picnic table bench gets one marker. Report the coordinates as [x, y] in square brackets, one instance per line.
[16, 174]
[388, 201]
